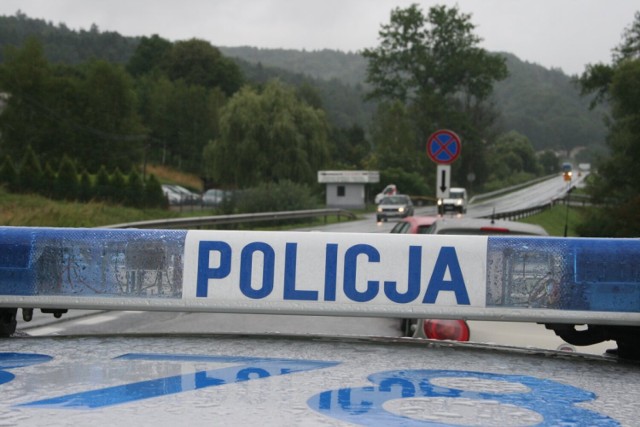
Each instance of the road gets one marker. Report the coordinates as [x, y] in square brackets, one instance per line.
[98, 322]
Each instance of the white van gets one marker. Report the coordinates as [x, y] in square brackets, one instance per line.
[456, 202]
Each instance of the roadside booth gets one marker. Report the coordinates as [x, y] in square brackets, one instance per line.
[347, 189]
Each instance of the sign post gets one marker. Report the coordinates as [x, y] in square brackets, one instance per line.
[443, 181]
[443, 147]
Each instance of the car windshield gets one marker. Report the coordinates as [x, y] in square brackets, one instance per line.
[394, 200]
[456, 194]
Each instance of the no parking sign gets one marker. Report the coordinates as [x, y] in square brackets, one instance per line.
[443, 147]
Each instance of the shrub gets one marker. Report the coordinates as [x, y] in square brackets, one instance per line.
[272, 197]
[66, 184]
[8, 174]
[30, 173]
[153, 195]
[85, 190]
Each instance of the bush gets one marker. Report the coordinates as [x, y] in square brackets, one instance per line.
[30, 174]
[102, 189]
[8, 174]
[66, 184]
[118, 184]
[272, 197]
[85, 190]
[153, 195]
[135, 190]
[49, 180]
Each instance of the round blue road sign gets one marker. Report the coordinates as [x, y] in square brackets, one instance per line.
[443, 147]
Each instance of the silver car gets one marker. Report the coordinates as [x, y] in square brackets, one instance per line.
[397, 206]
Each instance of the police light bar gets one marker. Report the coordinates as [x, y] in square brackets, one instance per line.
[560, 280]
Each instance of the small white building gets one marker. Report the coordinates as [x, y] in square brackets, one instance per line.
[346, 189]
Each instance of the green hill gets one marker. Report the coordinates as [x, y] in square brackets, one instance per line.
[540, 103]
[545, 105]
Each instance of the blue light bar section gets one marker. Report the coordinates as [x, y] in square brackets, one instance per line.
[565, 274]
[524, 277]
[91, 262]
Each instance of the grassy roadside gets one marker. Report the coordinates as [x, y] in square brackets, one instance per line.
[553, 220]
[38, 211]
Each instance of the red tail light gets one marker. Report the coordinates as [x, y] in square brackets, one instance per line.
[445, 329]
[494, 229]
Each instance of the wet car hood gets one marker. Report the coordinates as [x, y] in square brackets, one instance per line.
[284, 380]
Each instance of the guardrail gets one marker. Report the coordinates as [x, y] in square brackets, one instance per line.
[506, 190]
[523, 213]
[204, 221]
[520, 213]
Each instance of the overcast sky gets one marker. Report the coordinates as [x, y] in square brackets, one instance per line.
[566, 34]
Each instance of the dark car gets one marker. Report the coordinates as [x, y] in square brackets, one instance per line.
[397, 206]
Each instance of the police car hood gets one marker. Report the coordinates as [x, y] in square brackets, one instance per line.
[284, 380]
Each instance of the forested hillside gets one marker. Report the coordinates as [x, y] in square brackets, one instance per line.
[63, 45]
[545, 105]
[542, 104]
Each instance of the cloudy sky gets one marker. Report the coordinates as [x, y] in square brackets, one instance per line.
[564, 34]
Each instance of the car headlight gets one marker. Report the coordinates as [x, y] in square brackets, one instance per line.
[400, 209]
[458, 202]
[379, 209]
[439, 202]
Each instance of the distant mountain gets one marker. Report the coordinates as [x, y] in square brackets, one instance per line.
[349, 68]
[540, 103]
[546, 106]
[63, 45]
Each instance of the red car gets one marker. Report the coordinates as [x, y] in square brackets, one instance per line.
[414, 225]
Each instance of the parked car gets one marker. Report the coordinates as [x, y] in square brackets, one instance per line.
[414, 225]
[178, 195]
[213, 197]
[397, 206]
[171, 194]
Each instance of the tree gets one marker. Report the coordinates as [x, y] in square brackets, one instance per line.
[118, 185]
[30, 174]
[394, 135]
[150, 55]
[8, 174]
[511, 160]
[616, 181]
[67, 180]
[85, 189]
[25, 76]
[50, 180]
[181, 118]
[113, 135]
[153, 197]
[549, 162]
[433, 65]
[198, 63]
[134, 190]
[268, 136]
[102, 187]
[350, 147]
